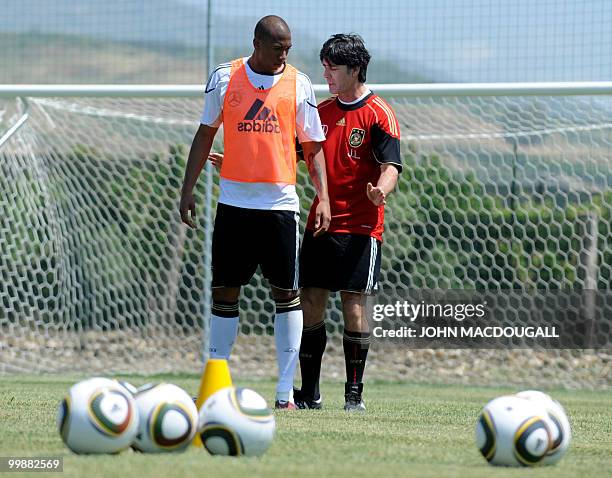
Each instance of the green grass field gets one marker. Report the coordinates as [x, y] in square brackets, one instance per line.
[409, 430]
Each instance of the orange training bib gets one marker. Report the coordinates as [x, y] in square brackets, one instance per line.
[259, 129]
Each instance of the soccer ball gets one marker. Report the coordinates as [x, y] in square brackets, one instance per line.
[513, 431]
[236, 421]
[97, 416]
[168, 419]
[561, 431]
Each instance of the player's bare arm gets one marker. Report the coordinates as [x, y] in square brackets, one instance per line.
[315, 160]
[200, 148]
[386, 183]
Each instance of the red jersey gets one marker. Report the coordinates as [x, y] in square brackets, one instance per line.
[359, 138]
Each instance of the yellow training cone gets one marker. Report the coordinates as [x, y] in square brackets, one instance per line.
[215, 377]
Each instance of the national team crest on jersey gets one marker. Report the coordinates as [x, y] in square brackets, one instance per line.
[356, 137]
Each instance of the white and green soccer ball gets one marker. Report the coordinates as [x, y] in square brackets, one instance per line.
[561, 430]
[235, 422]
[168, 419]
[514, 431]
[97, 416]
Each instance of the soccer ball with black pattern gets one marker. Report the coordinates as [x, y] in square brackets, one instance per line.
[561, 431]
[168, 419]
[98, 416]
[235, 422]
[514, 431]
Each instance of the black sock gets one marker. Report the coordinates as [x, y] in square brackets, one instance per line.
[356, 346]
[314, 340]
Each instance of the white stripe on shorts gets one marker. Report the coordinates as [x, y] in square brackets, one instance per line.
[373, 251]
[296, 274]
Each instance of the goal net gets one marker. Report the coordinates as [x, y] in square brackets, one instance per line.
[99, 275]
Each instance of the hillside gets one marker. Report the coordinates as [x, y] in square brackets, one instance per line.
[60, 58]
[53, 58]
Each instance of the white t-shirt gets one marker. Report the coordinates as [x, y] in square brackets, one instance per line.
[277, 196]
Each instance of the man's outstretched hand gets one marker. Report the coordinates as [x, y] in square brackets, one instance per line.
[376, 195]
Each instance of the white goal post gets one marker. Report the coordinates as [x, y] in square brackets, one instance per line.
[506, 185]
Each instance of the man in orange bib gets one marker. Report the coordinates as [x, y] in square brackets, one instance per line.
[263, 103]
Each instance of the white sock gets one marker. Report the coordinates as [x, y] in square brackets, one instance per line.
[223, 332]
[287, 335]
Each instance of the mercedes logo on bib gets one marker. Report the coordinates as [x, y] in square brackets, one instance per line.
[234, 98]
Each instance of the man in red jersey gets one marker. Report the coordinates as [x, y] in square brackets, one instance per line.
[362, 151]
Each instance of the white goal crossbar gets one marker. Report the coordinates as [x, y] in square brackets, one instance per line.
[397, 90]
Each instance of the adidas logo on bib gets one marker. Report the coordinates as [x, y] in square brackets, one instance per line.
[259, 119]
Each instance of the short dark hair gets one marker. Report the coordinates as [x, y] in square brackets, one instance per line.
[349, 50]
[269, 27]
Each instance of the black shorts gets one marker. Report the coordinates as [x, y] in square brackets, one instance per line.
[246, 238]
[338, 261]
